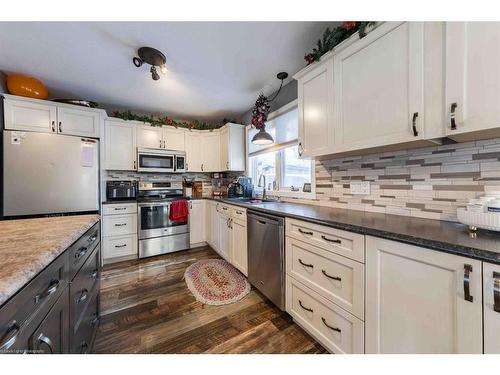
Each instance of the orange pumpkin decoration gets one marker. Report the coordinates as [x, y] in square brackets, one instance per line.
[19, 84]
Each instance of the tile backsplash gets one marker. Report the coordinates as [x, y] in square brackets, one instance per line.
[429, 182]
[208, 181]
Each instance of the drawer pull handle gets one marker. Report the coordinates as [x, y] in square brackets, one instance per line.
[83, 347]
[121, 245]
[496, 291]
[81, 252]
[239, 212]
[51, 289]
[92, 238]
[120, 208]
[94, 274]
[120, 224]
[224, 208]
[94, 319]
[306, 264]
[331, 277]
[467, 271]
[10, 336]
[329, 326]
[42, 339]
[305, 308]
[305, 232]
[330, 240]
[83, 296]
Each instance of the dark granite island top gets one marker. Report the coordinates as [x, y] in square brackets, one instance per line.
[449, 237]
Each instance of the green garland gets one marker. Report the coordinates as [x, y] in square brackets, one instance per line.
[167, 121]
[333, 37]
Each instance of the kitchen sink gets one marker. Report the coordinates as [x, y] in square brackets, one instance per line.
[254, 200]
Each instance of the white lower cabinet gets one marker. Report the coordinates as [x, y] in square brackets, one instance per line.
[119, 246]
[325, 284]
[421, 301]
[333, 327]
[491, 295]
[197, 235]
[239, 249]
[224, 236]
[119, 232]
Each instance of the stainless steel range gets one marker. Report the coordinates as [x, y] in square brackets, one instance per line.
[157, 233]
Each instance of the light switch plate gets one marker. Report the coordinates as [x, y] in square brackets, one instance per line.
[360, 187]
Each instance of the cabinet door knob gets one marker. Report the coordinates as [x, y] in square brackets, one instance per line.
[414, 124]
[453, 125]
[467, 271]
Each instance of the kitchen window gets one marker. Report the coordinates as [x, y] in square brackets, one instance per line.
[284, 171]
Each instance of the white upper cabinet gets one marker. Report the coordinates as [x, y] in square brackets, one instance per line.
[379, 88]
[149, 136]
[26, 115]
[210, 152]
[472, 76]
[75, 121]
[120, 148]
[194, 151]
[421, 301]
[48, 117]
[174, 139]
[491, 295]
[315, 98]
[232, 147]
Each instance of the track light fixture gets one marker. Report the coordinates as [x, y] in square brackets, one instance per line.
[152, 57]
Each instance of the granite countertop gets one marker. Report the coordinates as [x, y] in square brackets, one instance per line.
[445, 236]
[27, 246]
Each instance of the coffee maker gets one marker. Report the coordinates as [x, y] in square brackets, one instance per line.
[240, 188]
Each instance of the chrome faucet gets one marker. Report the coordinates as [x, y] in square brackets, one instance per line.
[263, 186]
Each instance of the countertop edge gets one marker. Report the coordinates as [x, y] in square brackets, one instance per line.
[446, 247]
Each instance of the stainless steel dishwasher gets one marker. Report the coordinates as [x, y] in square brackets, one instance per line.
[266, 255]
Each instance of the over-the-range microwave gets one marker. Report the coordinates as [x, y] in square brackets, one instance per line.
[153, 160]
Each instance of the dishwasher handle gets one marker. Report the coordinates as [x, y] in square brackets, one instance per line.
[265, 219]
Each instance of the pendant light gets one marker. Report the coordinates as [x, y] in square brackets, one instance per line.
[263, 138]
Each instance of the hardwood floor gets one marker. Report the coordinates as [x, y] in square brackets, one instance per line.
[147, 308]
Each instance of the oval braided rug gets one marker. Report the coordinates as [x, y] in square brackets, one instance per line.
[216, 282]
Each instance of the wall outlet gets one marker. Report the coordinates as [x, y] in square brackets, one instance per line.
[360, 187]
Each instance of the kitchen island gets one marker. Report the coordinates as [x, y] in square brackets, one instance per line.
[49, 284]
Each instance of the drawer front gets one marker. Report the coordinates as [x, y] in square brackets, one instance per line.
[82, 286]
[82, 339]
[238, 213]
[351, 245]
[119, 225]
[114, 247]
[334, 328]
[80, 251]
[339, 279]
[225, 209]
[119, 208]
[32, 303]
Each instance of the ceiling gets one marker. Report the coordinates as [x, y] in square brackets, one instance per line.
[215, 69]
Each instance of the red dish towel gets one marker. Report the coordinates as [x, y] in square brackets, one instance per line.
[179, 211]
